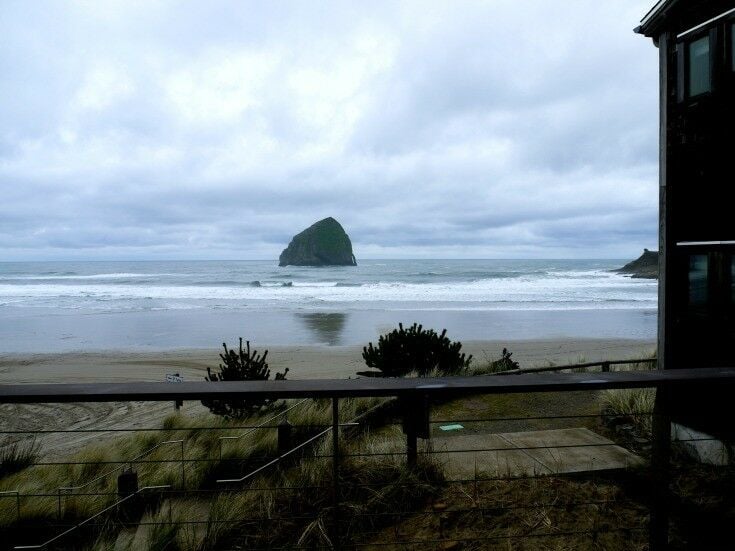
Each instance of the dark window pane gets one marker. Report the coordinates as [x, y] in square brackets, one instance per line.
[699, 69]
[732, 46]
[698, 279]
[732, 279]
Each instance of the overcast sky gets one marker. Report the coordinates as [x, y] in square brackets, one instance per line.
[191, 130]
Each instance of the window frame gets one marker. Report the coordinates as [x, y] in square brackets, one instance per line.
[683, 47]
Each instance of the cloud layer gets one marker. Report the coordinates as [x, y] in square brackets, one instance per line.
[429, 129]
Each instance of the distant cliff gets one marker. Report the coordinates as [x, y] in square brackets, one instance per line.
[322, 244]
[645, 266]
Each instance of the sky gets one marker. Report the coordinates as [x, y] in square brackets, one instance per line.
[217, 130]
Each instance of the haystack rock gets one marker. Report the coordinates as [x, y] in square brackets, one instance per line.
[322, 244]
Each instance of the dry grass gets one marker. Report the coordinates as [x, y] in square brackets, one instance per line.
[270, 513]
[631, 405]
[16, 455]
[218, 518]
[539, 513]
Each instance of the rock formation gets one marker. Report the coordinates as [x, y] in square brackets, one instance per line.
[322, 244]
[645, 266]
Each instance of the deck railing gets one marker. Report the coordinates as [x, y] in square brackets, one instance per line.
[337, 508]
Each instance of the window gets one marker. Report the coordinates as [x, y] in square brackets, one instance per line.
[700, 77]
[698, 280]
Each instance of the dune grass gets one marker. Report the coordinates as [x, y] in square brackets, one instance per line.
[17, 455]
[216, 515]
[633, 405]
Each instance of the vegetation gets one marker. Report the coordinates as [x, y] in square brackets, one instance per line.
[16, 456]
[241, 366]
[324, 243]
[632, 406]
[416, 350]
[237, 517]
[505, 363]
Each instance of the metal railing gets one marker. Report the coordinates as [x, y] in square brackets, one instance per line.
[338, 509]
[115, 505]
[65, 491]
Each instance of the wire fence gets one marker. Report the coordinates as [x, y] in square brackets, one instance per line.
[429, 465]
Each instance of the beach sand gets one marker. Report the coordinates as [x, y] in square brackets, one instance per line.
[304, 362]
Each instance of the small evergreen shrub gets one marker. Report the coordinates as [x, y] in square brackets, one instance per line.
[415, 350]
[244, 365]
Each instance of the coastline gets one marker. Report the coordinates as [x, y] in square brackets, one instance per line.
[28, 330]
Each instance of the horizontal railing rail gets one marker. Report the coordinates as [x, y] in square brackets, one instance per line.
[357, 388]
[122, 466]
[603, 365]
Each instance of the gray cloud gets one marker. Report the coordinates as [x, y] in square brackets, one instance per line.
[217, 130]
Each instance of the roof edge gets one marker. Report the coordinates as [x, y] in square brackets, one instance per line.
[653, 18]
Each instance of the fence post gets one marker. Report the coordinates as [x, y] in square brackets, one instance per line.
[658, 537]
[606, 367]
[335, 473]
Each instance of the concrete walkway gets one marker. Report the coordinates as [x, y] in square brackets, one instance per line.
[528, 453]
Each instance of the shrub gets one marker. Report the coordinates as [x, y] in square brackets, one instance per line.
[245, 365]
[415, 350]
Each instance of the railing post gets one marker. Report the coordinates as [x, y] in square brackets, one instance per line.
[415, 425]
[335, 473]
[659, 523]
[412, 451]
[285, 430]
[183, 466]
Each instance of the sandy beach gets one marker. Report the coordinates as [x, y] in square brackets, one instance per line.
[303, 362]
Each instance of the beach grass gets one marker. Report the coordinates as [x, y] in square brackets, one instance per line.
[17, 455]
[633, 405]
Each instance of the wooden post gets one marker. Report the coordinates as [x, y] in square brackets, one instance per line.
[416, 424]
[606, 367]
[659, 524]
[411, 446]
[284, 437]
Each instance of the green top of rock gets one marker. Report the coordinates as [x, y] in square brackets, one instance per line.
[645, 266]
[322, 244]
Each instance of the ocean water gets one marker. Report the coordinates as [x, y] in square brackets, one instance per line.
[121, 305]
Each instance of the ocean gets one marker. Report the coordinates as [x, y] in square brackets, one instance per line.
[77, 306]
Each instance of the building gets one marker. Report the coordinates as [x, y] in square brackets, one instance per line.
[696, 42]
